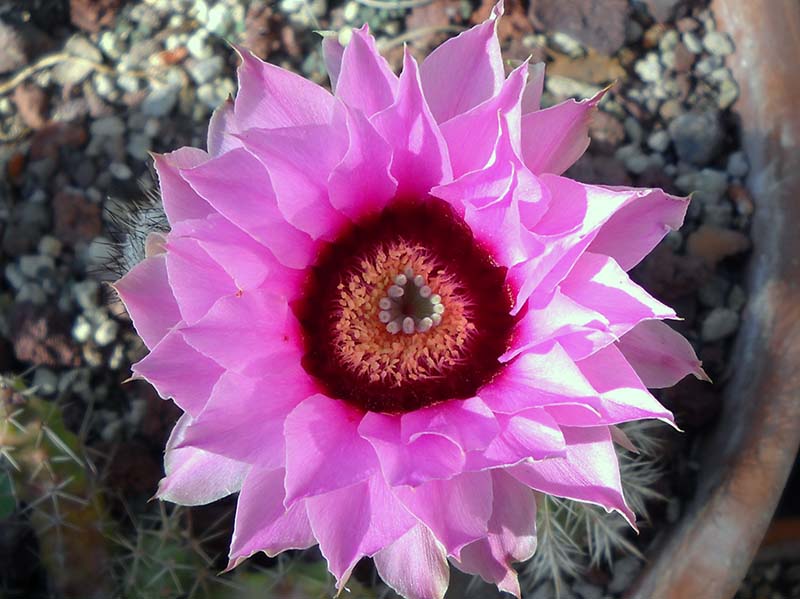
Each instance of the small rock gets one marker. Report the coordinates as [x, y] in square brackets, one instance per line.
[737, 165]
[605, 131]
[708, 185]
[79, 46]
[110, 44]
[14, 54]
[104, 86]
[624, 572]
[684, 59]
[138, 146]
[75, 218]
[120, 171]
[203, 71]
[649, 68]
[14, 275]
[199, 46]
[39, 337]
[93, 15]
[714, 292]
[72, 70]
[106, 332]
[737, 298]
[31, 293]
[567, 44]
[31, 103]
[697, 136]
[45, 381]
[717, 43]
[633, 130]
[219, 20]
[728, 93]
[110, 126]
[86, 294]
[36, 266]
[714, 244]
[719, 324]
[741, 199]
[663, 10]
[160, 101]
[658, 141]
[692, 43]
[599, 24]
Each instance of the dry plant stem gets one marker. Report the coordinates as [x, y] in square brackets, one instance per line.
[749, 456]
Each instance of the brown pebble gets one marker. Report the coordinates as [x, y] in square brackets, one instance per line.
[684, 59]
[714, 244]
[75, 217]
[740, 197]
[31, 103]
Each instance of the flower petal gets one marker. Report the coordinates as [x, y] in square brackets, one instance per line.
[365, 82]
[457, 510]
[244, 332]
[222, 130]
[660, 355]
[147, 296]
[270, 97]
[239, 187]
[554, 138]
[355, 521]
[532, 96]
[415, 565]
[262, 523]
[511, 538]
[180, 201]
[179, 371]
[468, 423]
[588, 473]
[420, 159]
[324, 450]
[425, 458]
[194, 476]
[633, 231]
[464, 71]
[332, 54]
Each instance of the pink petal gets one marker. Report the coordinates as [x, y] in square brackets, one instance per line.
[149, 300]
[245, 331]
[472, 136]
[244, 416]
[365, 82]
[660, 356]
[631, 233]
[180, 201]
[420, 159]
[196, 477]
[355, 521]
[197, 281]
[271, 97]
[247, 262]
[332, 54]
[598, 282]
[624, 396]
[324, 450]
[262, 523]
[222, 130]
[468, 423]
[426, 458]
[238, 186]
[511, 538]
[532, 96]
[464, 71]
[415, 565]
[178, 371]
[554, 138]
[361, 183]
[457, 510]
[299, 161]
[588, 473]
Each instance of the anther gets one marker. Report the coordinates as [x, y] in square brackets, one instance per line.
[396, 291]
[386, 303]
[410, 305]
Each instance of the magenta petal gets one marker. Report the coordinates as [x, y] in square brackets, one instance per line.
[457, 510]
[420, 159]
[426, 458]
[355, 521]
[464, 71]
[631, 233]
[180, 201]
[194, 476]
[244, 416]
[660, 356]
[624, 397]
[197, 281]
[332, 54]
[365, 82]
[554, 138]
[511, 538]
[362, 183]
[588, 473]
[271, 97]
[598, 282]
[468, 423]
[262, 523]
[179, 371]
[238, 186]
[532, 96]
[149, 300]
[415, 565]
[244, 332]
[325, 451]
[222, 130]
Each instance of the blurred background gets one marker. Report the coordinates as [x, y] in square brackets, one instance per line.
[89, 87]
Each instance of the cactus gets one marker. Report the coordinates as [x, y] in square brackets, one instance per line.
[573, 536]
[43, 473]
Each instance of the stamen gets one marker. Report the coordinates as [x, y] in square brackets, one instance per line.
[410, 305]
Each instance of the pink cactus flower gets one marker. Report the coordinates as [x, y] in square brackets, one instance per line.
[389, 319]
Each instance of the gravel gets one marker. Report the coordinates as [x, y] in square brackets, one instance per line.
[697, 136]
[719, 324]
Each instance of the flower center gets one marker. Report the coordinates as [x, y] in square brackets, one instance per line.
[410, 305]
[405, 310]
